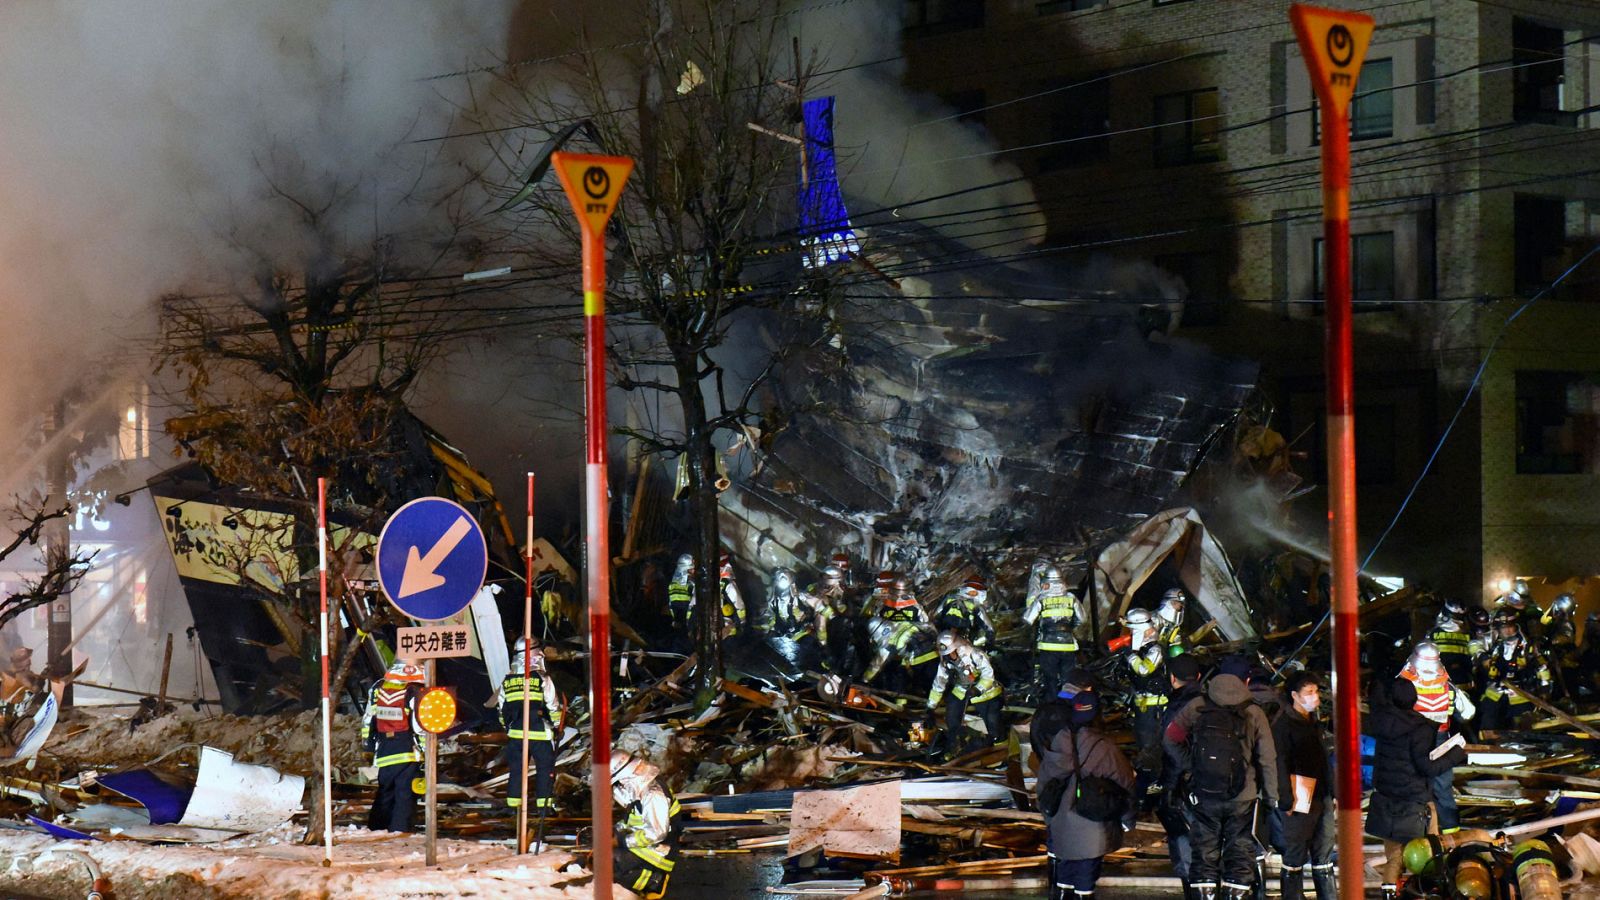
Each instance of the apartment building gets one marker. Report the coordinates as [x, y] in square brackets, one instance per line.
[1183, 133]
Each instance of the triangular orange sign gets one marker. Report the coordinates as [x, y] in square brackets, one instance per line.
[1334, 43]
[593, 184]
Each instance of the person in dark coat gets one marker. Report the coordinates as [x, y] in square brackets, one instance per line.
[1402, 767]
[1079, 845]
[1185, 674]
[1226, 731]
[1056, 713]
[1305, 792]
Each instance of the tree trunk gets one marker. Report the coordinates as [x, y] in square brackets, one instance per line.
[708, 545]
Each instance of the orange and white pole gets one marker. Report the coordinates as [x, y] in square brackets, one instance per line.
[593, 184]
[1334, 43]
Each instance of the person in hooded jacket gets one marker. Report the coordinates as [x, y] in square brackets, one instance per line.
[1186, 686]
[1222, 739]
[1056, 713]
[1078, 845]
[1402, 769]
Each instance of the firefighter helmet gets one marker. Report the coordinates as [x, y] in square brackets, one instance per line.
[1479, 617]
[947, 642]
[782, 581]
[975, 589]
[1425, 659]
[1520, 588]
[1052, 573]
[1137, 618]
[832, 575]
[842, 560]
[1173, 603]
[405, 670]
[625, 766]
[1505, 621]
[685, 565]
[1564, 603]
[535, 659]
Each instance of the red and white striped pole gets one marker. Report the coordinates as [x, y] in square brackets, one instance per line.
[593, 184]
[527, 673]
[327, 704]
[1334, 43]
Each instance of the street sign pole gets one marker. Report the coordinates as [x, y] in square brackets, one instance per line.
[527, 671]
[593, 184]
[431, 776]
[1334, 43]
[327, 706]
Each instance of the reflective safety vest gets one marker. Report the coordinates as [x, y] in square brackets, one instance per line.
[1056, 617]
[1435, 696]
[1149, 677]
[389, 720]
[680, 593]
[1451, 643]
[511, 694]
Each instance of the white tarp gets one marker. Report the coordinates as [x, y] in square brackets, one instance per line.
[44, 721]
[1203, 568]
[491, 637]
[235, 796]
[860, 822]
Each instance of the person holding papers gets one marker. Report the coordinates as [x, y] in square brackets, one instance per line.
[1305, 792]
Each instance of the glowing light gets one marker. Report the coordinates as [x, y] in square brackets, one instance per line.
[1503, 585]
[133, 414]
[436, 711]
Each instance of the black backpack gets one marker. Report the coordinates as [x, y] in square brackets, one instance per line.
[1216, 751]
[1097, 798]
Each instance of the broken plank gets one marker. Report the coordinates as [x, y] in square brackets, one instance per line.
[1553, 710]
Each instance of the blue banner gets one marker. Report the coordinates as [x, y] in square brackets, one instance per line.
[825, 233]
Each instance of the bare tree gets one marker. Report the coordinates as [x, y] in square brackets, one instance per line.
[62, 570]
[703, 235]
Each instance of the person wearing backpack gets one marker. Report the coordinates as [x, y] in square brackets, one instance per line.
[1222, 740]
[1403, 766]
[1185, 674]
[1305, 792]
[1085, 789]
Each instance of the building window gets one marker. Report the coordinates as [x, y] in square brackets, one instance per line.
[1204, 282]
[1538, 74]
[940, 15]
[1371, 109]
[1080, 117]
[1371, 271]
[1539, 231]
[1055, 6]
[1558, 423]
[1188, 127]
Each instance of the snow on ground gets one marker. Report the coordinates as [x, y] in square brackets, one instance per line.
[272, 865]
[289, 742]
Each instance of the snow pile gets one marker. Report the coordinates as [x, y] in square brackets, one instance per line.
[366, 864]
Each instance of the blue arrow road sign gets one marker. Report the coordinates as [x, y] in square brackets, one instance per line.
[432, 558]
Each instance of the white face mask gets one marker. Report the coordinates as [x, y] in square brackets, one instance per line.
[1308, 704]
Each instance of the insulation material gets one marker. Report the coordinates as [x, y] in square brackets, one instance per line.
[1203, 568]
[44, 722]
[235, 796]
[859, 823]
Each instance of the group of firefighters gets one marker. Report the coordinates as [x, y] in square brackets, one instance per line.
[1481, 665]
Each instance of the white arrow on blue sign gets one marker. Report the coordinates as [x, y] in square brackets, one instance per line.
[432, 558]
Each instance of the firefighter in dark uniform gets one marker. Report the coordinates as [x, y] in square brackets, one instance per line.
[1560, 643]
[835, 626]
[544, 707]
[1511, 660]
[1452, 635]
[391, 733]
[964, 612]
[649, 831]
[1146, 659]
[901, 605]
[1053, 611]
[909, 646]
[680, 593]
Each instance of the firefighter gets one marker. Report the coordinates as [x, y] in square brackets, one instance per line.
[1528, 613]
[1169, 621]
[1439, 701]
[648, 832]
[732, 602]
[1036, 573]
[1452, 637]
[878, 600]
[680, 593]
[901, 604]
[391, 733]
[1560, 643]
[1146, 660]
[1054, 614]
[964, 612]
[790, 615]
[835, 626]
[1511, 660]
[841, 561]
[544, 711]
[910, 645]
[967, 672]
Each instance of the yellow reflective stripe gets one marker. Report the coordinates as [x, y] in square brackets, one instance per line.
[544, 802]
[516, 734]
[1059, 647]
[990, 694]
[925, 657]
[395, 759]
[650, 856]
[640, 882]
[513, 801]
[1145, 701]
